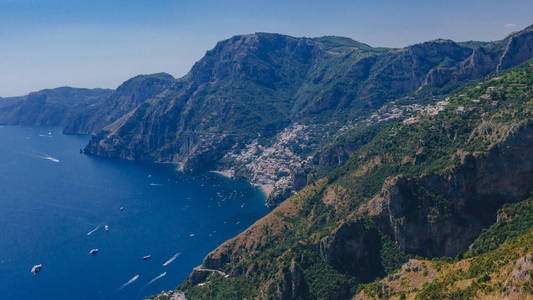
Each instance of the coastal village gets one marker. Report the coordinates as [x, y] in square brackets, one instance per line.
[271, 167]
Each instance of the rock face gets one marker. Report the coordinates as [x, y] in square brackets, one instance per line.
[520, 275]
[473, 194]
[352, 248]
[293, 285]
[470, 198]
[51, 107]
[250, 90]
[124, 99]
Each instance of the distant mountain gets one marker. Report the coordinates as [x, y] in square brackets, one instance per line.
[50, 107]
[268, 93]
[124, 99]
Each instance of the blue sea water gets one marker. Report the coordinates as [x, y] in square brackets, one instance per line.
[55, 202]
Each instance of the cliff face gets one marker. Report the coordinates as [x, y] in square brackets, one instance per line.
[51, 107]
[458, 205]
[438, 214]
[250, 90]
[424, 187]
[124, 99]
[495, 56]
[498, 268]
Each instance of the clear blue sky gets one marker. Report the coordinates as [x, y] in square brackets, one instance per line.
[101, 43]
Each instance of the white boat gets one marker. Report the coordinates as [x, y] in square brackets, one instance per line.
[121, 208]
[147, 257]
[106, 228]
[93, 251]
[192, 235]
[36, 269]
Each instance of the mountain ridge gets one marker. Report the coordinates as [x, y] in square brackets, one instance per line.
[49, 107]
[219, 109]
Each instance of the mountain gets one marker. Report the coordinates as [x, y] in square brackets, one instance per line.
[451, 180]
[50, 107]
[259, 106]
[82, 111]
[124, 99]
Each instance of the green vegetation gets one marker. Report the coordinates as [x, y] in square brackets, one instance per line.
[515, 220]
[493, 256]
[50, 107]
[435, 144]
[251, 87]
[495, 263]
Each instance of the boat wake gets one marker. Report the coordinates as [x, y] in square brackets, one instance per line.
[171, 259]
[92, 231]
[157, 278]
[129, 281]
[155, 184]
[50, 158]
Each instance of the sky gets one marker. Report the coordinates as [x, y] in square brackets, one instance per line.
[102, 43]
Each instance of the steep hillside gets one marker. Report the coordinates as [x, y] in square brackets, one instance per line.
[124, 99]
[498, 266]
[425, 186]
[258, 106]
[51, 107]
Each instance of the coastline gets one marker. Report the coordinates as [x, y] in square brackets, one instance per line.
[264, 188]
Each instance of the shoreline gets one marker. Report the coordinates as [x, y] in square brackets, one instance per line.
[229, 174]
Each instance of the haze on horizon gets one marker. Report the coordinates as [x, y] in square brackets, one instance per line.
[51, 43]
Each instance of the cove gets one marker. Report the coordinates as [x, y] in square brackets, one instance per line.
[56, 202]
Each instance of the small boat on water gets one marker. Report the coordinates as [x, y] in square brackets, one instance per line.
[93, 251]
[36, 269]
[192, 235]
[121, 208]
[147, 257]
[106, 228]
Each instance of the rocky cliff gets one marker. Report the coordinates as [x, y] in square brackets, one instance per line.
[499, 268]
[124, 99]
[457, 205]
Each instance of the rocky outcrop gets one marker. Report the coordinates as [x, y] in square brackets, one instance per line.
[292, 285]
[495, 56]
[440, 215]
[520, 275]
[351, 248]
[518, 47]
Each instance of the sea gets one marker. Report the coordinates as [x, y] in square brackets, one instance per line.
[56, 204]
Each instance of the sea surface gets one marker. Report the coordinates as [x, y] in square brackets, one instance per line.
[55, 203]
